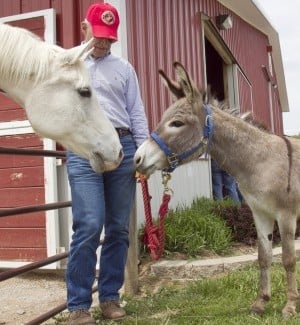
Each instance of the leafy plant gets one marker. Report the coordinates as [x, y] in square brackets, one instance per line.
[196, 229]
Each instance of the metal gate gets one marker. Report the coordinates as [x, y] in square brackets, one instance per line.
[35, 208]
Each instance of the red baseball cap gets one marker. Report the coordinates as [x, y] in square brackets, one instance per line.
[104, 20]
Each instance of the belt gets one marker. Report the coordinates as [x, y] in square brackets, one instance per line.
[122, 132]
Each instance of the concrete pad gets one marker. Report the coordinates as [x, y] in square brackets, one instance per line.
[204, 268]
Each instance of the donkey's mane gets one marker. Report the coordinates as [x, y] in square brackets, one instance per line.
[234, 111]
[23, 55]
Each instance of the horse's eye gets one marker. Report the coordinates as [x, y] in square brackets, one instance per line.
[176, 124]
[84, 92]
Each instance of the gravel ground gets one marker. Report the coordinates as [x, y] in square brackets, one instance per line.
[26, 297]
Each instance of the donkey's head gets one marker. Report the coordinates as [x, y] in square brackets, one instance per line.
[180, 130]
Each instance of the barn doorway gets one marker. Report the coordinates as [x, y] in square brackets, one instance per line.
[214, 71]
[220, 77]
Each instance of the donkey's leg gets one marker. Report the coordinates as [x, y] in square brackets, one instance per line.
[264, 227]
[287, 229]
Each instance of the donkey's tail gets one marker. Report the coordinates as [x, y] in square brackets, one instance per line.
[289, 152]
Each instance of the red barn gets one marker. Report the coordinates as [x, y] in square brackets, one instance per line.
[227, 44]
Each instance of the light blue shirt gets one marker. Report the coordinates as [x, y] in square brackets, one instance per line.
[117, 89]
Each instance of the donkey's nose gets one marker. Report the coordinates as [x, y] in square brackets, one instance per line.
[137, 160]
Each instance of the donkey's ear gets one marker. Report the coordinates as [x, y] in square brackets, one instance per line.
[191, 92]
[72, 55]
[184, 81]
[173, 86]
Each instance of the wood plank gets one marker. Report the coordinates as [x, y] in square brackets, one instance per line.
[9, 8]
[34, 5]
[7, 103]
[22, 177]
[18, 197]
[23, 254]
[23, 238]
[14, 161]
[30, 140]
[12, 115]
[28, 220]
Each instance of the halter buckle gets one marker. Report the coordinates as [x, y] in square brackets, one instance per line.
[172, 160]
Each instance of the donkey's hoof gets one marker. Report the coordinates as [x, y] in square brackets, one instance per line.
[257, 308]
[288, 311]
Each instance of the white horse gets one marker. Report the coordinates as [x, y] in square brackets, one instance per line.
[52, 84]
[266, 167]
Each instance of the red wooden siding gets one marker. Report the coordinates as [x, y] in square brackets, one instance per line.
[10, 110]
[245, 93]
[22, 184]
[161, 32]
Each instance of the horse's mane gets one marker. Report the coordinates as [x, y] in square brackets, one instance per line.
[23, 55]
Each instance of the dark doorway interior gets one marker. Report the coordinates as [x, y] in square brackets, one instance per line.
[214, 71]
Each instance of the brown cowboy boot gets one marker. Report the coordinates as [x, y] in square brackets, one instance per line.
[81, 317]
[112, 310]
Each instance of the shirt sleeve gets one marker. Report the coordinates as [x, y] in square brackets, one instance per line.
[136, 109]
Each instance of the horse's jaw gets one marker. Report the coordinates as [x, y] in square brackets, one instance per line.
[149, 158]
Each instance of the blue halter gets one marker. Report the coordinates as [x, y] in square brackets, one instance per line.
[173, 158]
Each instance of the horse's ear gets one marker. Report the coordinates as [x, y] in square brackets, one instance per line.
[186, 84]
[72, 55]
[173, 86]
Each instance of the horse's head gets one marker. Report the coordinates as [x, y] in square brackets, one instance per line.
[180, 129]
[63, 107]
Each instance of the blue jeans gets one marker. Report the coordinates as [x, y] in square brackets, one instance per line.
[99, 200]
[223, 184]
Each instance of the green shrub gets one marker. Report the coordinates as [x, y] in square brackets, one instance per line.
[192, 230]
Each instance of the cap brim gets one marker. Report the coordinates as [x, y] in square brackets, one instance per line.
[104, 32]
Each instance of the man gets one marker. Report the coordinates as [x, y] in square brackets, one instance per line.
[104, 200]
[223, 184]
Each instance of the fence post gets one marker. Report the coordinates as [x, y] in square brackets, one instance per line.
[131, 284]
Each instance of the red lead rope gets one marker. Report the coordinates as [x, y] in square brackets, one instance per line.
[154, 235]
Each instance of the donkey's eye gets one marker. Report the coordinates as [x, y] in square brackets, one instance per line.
[176, 124]
[84, 92]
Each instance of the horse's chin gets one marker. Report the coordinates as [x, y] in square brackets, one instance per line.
[100, 166]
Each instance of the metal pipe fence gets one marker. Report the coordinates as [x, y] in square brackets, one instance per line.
[36, 208]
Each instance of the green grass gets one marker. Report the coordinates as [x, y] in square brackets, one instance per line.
[218, 301]
[222, 300]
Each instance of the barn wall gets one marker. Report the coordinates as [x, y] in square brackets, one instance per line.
[22, 238]
[161, 32]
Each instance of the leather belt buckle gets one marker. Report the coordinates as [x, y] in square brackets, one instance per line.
[122, 132]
